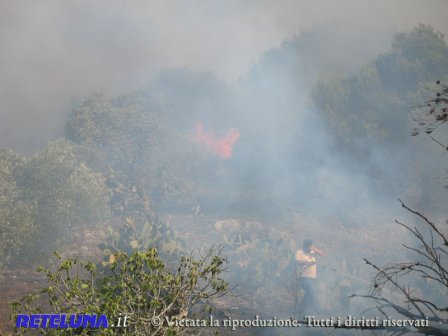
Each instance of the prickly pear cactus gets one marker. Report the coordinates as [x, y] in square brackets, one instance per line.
[141, 234]
[257, 254]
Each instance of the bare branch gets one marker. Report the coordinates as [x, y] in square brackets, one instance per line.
[431, 224]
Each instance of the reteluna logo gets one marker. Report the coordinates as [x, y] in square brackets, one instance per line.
[61, 321]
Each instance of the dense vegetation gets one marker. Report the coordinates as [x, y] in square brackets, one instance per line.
[372, 107]
[139, 286]
[43, 198]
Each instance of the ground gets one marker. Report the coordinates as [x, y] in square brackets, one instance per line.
[341, 271]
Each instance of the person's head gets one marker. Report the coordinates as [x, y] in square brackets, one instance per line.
[307, 243]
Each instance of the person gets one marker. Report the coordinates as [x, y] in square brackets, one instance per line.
[307, 275]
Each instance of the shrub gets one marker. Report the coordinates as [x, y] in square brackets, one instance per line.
[138, 285]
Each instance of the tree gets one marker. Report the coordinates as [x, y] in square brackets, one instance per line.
[371, 108]
[139, 285]
[129, 140]
[44, 197]
[421, 282]
[368, 115]
[415, 57]
[17, 217]
[66, 191]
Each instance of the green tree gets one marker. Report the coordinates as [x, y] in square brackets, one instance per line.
[65, 190]
[129, 140]
[368, 115]
[43, 198]
[17, 218]
[139, 285]
[371, 108]
[415, 57]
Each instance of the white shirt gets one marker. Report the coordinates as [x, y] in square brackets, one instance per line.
[306, 271]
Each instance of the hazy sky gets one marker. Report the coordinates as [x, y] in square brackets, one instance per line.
[56, 51]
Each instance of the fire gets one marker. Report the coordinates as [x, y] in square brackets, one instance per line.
[220, 146]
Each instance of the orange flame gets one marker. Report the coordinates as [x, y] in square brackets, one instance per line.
[220, 146]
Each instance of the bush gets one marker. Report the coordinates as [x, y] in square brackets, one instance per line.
[17, 223]
[141, 233]
[42, 198]
[138, 285]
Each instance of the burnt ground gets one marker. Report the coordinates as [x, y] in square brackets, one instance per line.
[14, 284]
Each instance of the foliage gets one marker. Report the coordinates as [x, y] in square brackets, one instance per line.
[138, 285]
[129, 140]
[368, 115]
[125, 128]
[415, 57]
[17, 218]
[65, 190]
[258, 255]
[372, 107]
[194, 96]
[136, 235]
[43, 198]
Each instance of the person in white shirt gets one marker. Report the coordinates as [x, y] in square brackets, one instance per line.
[307, 273]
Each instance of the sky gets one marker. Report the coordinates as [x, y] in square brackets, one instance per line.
[57, 52]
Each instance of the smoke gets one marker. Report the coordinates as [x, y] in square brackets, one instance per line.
[55, 53]
[242, 68]
[219, 146]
